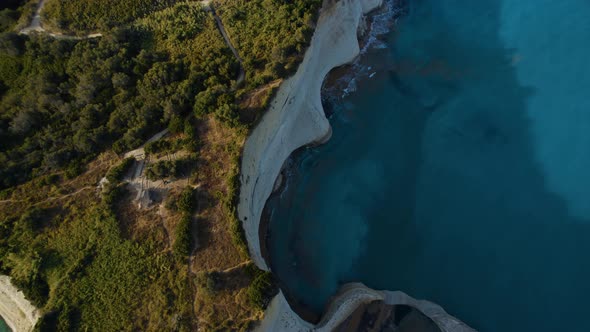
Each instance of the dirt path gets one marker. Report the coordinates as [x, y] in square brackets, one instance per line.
[50, 198]
[36, 27]
[239, 266]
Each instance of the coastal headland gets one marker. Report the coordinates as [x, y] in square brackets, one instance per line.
[296, 118]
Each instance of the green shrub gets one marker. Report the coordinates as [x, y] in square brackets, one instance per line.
[116, 174]
[271, 36]
[262, 289]
[10, 69]
[176, 124]
[113, 194]
[74, 169]
[184, 240]
[165, 169]
[208, 282]
[6, 193]
[48, 179]
[186, 200]
[167, 145]
[162, 170]
[30, 281]
[93, 15]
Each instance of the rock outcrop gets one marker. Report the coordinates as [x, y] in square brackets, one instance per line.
[19, 314]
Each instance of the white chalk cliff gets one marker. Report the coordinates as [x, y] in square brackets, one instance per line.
[294, 119]
[19, 314]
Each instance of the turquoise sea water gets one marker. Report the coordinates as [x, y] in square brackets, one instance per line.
[3, 326]
[459, 173]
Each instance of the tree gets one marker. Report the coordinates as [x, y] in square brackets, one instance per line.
[10, 43]
[184, 240]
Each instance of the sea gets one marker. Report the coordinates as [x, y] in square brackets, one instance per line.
[3, 326]
[458, 170]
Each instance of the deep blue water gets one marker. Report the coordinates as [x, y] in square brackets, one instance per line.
[459, 173]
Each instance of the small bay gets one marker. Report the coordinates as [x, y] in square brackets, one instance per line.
[458, 173]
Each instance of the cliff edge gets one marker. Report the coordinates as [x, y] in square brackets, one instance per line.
[19, 314]
[296, 117]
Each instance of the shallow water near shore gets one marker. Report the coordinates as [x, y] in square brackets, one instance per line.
[3, 326]
[459, 173]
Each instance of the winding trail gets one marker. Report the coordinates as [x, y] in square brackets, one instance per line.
[48, 199]
[236, 267]
[36, 27]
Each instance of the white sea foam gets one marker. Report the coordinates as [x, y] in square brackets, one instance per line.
[381, 24]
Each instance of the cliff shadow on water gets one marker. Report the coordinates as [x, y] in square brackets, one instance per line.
[432, 183]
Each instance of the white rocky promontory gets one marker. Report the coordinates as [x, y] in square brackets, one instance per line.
[19, 314]
[280, 317]
[352, 295]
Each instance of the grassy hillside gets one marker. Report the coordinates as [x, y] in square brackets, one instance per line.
[94, 257]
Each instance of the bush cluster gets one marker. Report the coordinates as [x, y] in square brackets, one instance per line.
[270, 35]
[185, 204]
[117, 173]
[63, 102]
[98, 15]
[262, 289]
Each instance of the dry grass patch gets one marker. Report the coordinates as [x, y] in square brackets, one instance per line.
[55, 190]
[217, 162]
[253, 103]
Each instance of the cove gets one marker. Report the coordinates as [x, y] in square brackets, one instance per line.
[459, 173]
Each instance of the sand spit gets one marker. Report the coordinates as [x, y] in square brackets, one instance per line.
[296, 116]
[19, 314]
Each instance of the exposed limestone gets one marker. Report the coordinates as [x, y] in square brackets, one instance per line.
[296, 116]
[19, 314]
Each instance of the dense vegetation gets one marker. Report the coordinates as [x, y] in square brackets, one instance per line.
[8, 18]
[68, 107]
[271, 35]
[10, 13]
[63, 101]
[93, 15]
[183, 242]
[11, 4]
[117, 173]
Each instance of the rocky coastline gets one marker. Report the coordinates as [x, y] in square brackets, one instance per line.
[296, 119]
